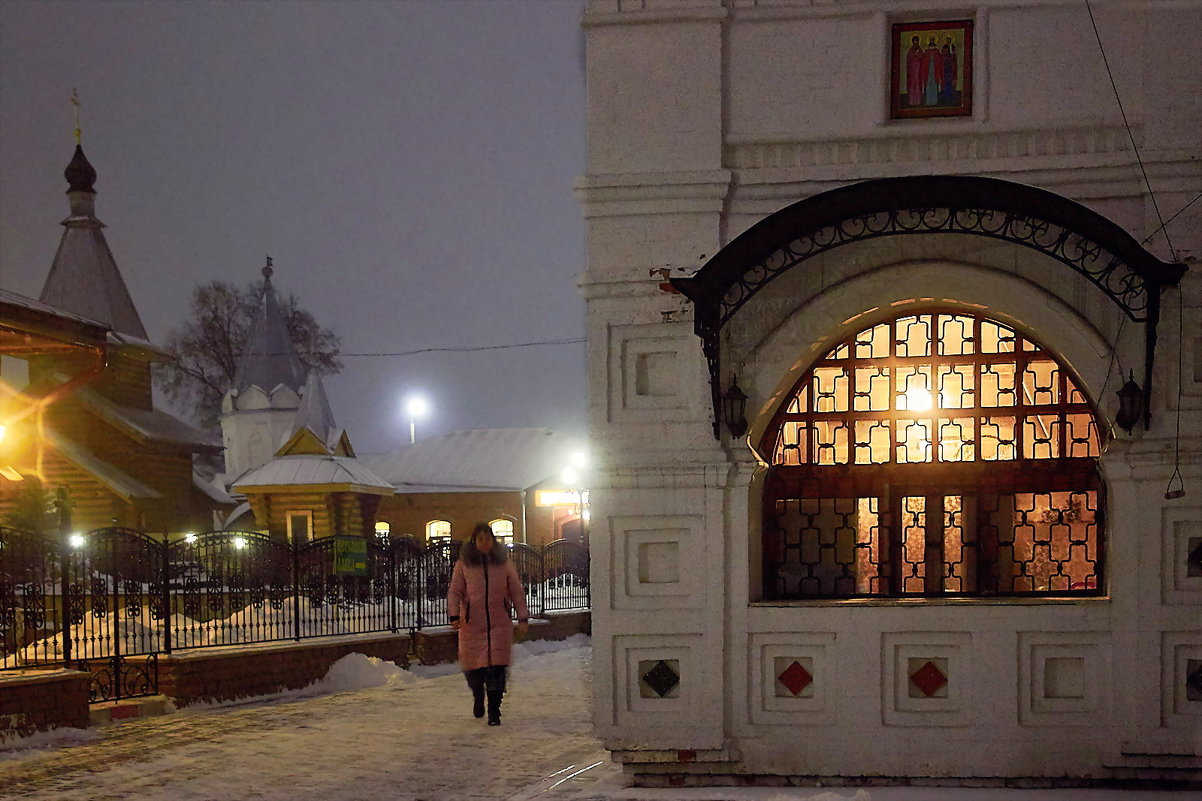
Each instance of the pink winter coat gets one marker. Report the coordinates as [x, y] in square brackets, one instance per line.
[486, 630]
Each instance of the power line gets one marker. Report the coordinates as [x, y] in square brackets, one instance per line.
[1131, 136]
[1197, 197]
[465, 349]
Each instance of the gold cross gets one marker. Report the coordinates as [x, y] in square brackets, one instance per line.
[75, 102]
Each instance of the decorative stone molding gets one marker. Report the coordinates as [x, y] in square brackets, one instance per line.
[912, 698]
[793, 678]
[894, 148]
[643, 12]
[1064, 677]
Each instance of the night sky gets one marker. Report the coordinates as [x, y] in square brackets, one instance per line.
[407, 165]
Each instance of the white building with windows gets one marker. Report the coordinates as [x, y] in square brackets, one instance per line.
[948, 274]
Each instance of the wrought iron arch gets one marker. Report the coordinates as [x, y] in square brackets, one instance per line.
[1062, 229]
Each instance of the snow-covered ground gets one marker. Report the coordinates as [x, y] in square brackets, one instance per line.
[370, 731]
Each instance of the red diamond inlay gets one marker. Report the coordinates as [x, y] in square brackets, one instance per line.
[928, 678]
[795, 677]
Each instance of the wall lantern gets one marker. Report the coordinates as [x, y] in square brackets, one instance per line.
[734, 406]
[1131, 404]
[383, 529]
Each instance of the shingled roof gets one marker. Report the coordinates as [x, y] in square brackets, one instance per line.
[84, 278]
[270, 358]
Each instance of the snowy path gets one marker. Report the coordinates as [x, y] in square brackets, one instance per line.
[410, 739]
[381, 734]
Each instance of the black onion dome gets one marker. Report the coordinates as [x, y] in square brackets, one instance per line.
[80, 174]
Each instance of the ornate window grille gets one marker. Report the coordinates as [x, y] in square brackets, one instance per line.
[935, 454]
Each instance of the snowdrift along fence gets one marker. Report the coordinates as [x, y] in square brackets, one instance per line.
[113, 600]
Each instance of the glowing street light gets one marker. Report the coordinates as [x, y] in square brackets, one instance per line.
[416, 406]
[76, 540]
[572, 477]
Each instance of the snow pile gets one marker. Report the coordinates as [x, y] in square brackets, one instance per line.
[359, 672]
[11, 747]
[531, 648]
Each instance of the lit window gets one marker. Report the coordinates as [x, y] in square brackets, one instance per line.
[438, 530]
[934, 454]
[502, 530]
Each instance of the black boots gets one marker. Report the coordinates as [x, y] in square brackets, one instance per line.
[475, 680]
[490, 680]
[494, 707]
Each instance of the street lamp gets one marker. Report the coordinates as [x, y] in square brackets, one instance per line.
[417, 407]
[571, 477]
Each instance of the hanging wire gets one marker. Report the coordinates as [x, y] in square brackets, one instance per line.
[1114, 352]
[1170, 492]
[465, 349]
[1148, 238]
[1130, 135]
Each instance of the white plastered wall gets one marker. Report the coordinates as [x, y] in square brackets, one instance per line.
[705, 116]
[1035, 690]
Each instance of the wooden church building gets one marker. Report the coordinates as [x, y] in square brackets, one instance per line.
[80, 428]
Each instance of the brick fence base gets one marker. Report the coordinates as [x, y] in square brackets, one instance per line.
[224, 674]
[32, 700]
[38, 700]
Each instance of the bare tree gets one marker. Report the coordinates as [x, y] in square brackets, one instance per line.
[209, 345]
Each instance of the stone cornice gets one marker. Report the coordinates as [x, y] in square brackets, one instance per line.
[610, 195]
[774, 10]
[896, 144]
[703, 11]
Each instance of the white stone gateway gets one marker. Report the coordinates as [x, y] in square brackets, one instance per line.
[922, 243]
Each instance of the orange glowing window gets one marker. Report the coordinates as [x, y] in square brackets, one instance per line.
[923, 456]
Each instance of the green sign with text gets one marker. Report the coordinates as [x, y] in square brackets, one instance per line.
[350, 556]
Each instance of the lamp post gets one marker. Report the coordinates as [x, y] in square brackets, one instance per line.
[417, 407]
[571, 477]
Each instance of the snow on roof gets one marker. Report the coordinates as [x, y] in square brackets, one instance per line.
[147, 423]
[45, 308]
[211, 489]
[110, 475]
[270, 358]
[313, 470]
[242, 518]
[84, 278]
[314, 410]
[476, 460]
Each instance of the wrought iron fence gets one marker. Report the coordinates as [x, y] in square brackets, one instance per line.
[112, 600]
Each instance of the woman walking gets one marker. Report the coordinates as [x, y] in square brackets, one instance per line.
[484, 588]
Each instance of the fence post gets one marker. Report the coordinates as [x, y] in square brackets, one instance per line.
[541, 592]
[296, 604]
[64, 585]
[116, 598]
[391, 585]
[418, 588]
[166, 567]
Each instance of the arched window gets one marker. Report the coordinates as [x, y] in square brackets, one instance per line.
[502, 530]
[438, 530]
[935, 454]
